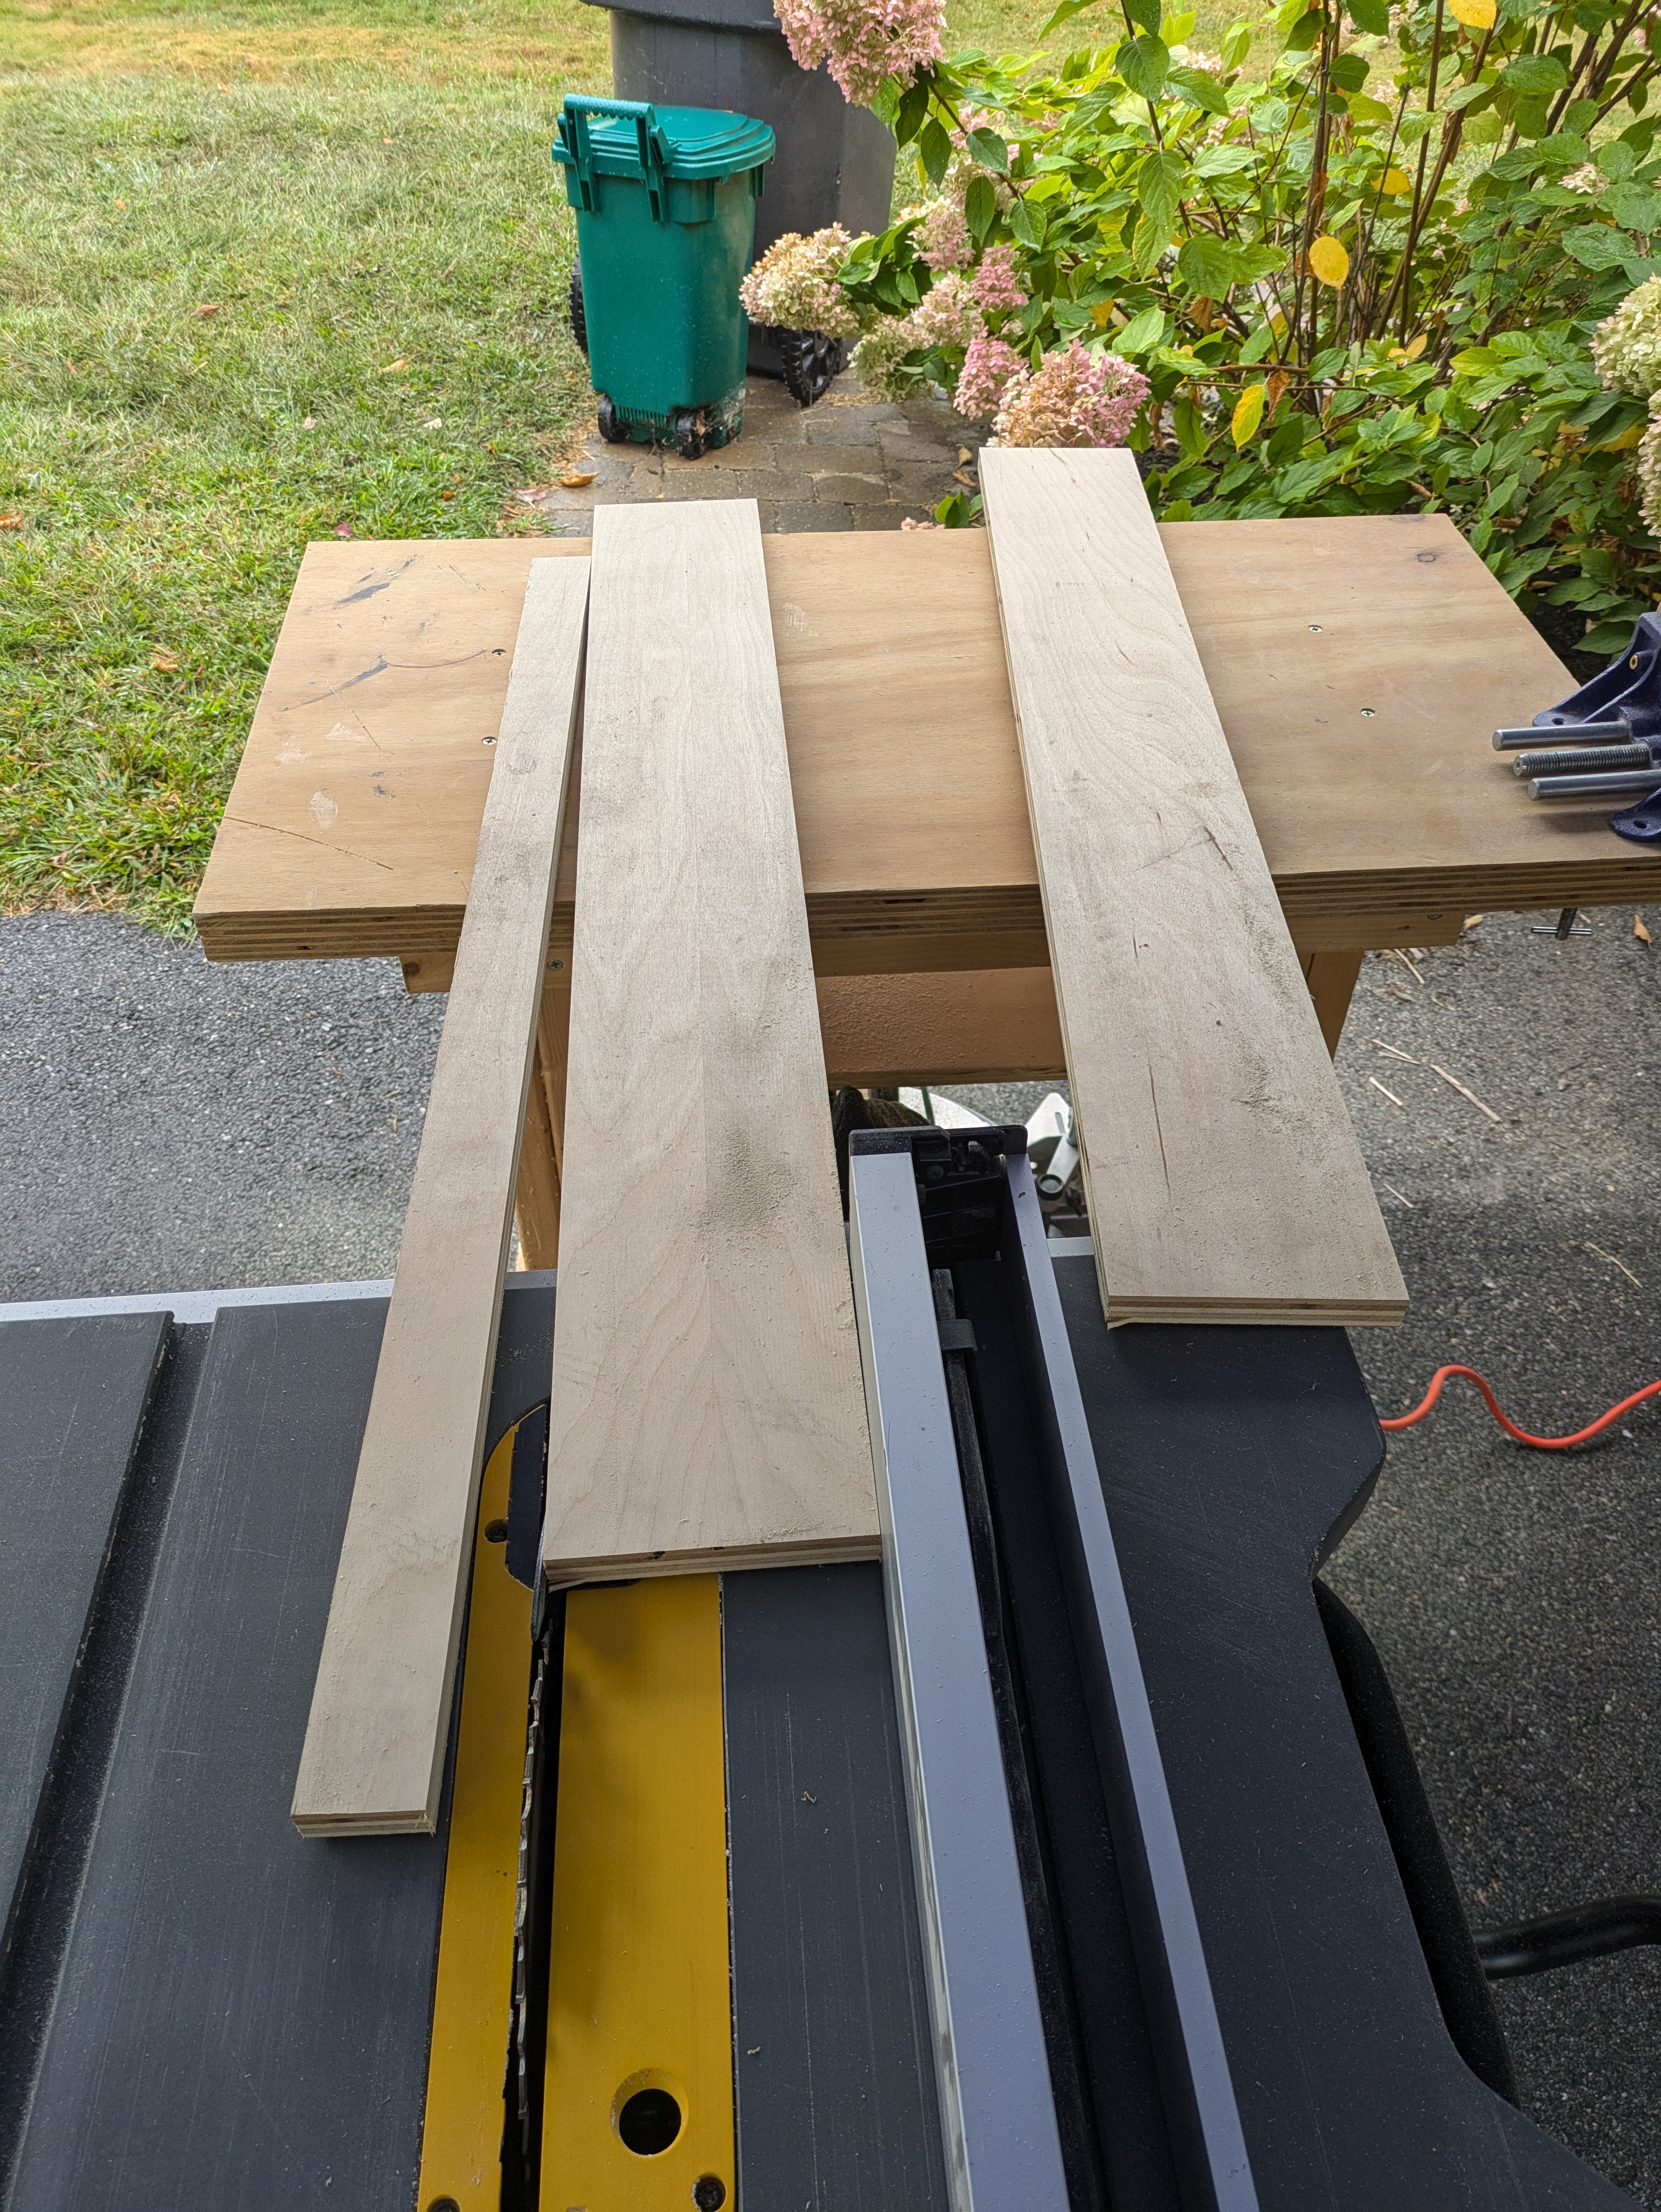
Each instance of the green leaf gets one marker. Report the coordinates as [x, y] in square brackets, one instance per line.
[1141, 334]
[1207, 266]
[935, 149]
[980, 207]
[989, 150]
[1199, 90]
[1150, 242]
[1144, 63]
[1236, 44]
[1598, 245]
[1349, 71]
[1635, 206]
[913, 111]
[1371, 16]
[1064, 14]
[1159, 181]
[1365, 111]
[1305, 31]
[1260, 343]
[1616, 159]
[1144, 15]
[1534, 77]
[1027, 224]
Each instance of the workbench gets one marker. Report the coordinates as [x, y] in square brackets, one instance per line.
[1359, 664]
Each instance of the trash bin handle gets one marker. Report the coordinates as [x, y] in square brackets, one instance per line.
[580, 105]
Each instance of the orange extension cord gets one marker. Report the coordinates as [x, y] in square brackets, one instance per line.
[1540, 1444]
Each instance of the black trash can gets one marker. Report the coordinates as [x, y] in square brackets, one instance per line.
[835, 162]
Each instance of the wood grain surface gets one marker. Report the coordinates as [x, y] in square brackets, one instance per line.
[374, 1745]
[1359, 664]
[707, 1406]
[1223, 1180]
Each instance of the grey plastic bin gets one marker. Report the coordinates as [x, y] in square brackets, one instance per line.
[835, 162]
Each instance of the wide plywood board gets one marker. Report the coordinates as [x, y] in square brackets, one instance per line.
[707, 1407]
[1224, 1179]
[1358, 665]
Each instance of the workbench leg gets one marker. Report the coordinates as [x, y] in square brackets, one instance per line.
[1331, 979]
[535, 1208]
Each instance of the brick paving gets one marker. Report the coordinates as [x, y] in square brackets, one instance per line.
[849, 463]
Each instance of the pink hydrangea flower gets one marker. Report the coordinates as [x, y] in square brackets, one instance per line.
[1072, 398]
[946, 314]
[944, 235]
[910, 523]
[995, 284]
[865, 42]
[987, 367]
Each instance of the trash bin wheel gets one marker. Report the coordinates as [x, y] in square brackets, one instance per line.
[809, 361]
[579, 317]
[613, 431]
[691, 432]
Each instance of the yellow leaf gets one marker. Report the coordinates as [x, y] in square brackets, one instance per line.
[1397, 180]
[1248, 413]
[1102, 314]
[1415, 346]
[163, 663]
[1638, 930]
[1329, 260]
[392, 367]
[1631, 436]
[1475, 15]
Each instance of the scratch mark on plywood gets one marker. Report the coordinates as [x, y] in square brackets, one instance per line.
[369, 591]
[280, 829]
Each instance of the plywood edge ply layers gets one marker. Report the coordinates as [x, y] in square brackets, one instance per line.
[373, 1754]
[1224, 1179]
[707, 1407]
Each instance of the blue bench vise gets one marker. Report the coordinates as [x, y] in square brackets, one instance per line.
[1607, 739]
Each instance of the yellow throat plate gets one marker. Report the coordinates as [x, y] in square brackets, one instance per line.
[640, 2010]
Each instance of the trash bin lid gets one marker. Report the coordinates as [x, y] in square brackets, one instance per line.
[695, 144]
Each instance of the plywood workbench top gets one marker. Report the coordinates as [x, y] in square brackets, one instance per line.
[1359, 664]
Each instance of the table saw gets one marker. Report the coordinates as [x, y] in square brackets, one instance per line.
[1149, 1852]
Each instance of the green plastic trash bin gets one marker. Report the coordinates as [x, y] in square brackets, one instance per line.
[666, 211]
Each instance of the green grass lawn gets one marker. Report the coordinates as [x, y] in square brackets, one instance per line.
[359, 192]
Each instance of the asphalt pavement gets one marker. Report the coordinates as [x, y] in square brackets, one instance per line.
[166, 1124]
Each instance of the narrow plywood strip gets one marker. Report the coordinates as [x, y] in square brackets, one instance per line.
[707, 1405]
[1224, 1178]
[374, 1745]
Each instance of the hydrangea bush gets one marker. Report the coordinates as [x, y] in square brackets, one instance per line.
[1357, 259]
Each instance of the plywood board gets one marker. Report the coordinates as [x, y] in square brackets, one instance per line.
[374, 1744]
[707, 1406]
[1224, 1179]
[1359, 664]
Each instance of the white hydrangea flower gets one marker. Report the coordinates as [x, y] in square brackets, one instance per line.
[1627, 347]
